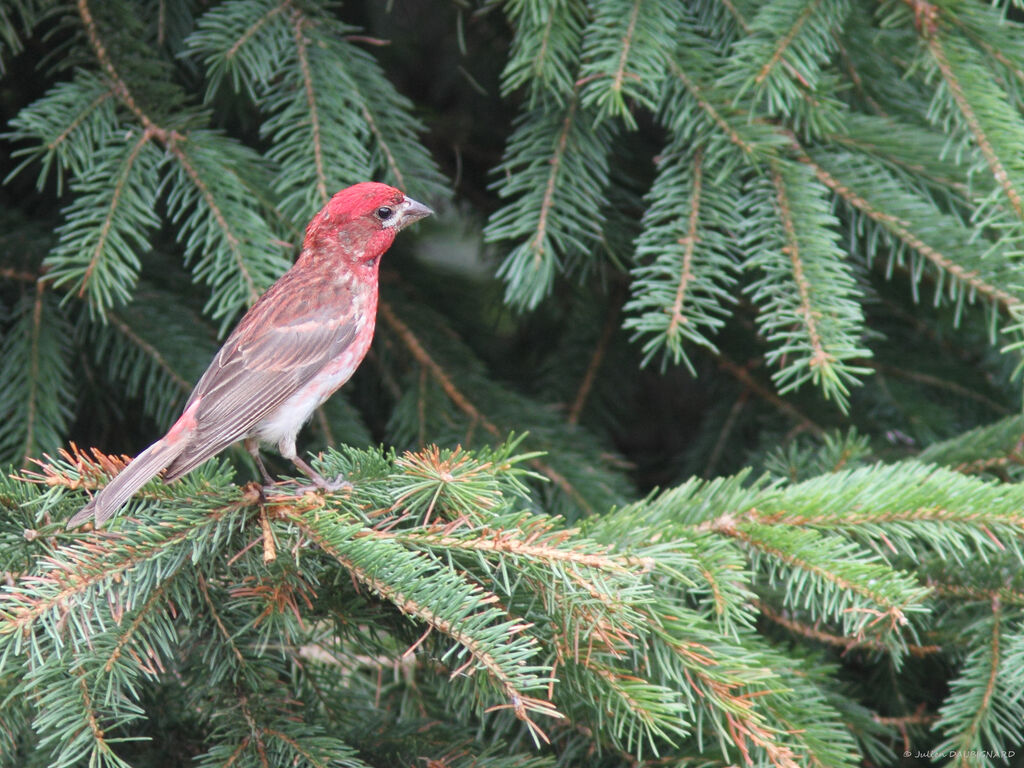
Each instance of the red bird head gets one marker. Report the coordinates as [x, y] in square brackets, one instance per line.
[360, 222]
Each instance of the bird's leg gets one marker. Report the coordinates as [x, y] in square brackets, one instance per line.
[337, 484]
[252, 445]
[287, 449]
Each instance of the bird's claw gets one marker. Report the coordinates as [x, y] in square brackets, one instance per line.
[319, 483]
[339, 483]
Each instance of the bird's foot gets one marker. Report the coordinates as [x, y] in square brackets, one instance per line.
[338, 483]
[321, 483]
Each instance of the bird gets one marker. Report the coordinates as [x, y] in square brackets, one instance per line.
[297, 344]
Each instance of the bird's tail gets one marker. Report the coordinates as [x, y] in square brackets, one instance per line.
[143, 468]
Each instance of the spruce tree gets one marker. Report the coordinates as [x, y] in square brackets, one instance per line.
[690, 435]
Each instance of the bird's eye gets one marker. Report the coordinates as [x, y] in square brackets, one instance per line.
[384, 213]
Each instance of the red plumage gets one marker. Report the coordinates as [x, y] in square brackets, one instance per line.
[295, 347]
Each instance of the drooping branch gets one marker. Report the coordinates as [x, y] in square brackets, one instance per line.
[689, 243]
[820, 356]
[115, 200]
[627, 45]
[537, 242]
[171, 139]
[299, 22]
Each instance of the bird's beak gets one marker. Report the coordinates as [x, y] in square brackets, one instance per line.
[409, 211]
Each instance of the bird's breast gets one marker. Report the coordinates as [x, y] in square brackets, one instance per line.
[287, 419]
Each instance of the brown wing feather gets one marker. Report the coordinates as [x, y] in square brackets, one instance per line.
[275, 351]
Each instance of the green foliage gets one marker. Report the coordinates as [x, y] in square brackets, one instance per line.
[556, 169]
[624, 55]
[805, 286]
[698, 433]
[108, 223]
[696, 249]
[36, 397]
[494, 613]
[546, 46]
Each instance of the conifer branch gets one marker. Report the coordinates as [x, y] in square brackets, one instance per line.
[384, 146]
[73, 570]
[653, 626]
[115, 200]
[738, 17]
[940, 383]
[125, 94]
[217, 620]
[232, 51]
[155, 601]
[91, 717]
[296, 746]
[520, 703]
[255, 730]
[858, 83]
[512, 542]
[21, 275]
[537, 242]
[299, 21]
[910, 165]
[723, 433]
[172, 141]
[820, 357]
[35, 385]
[976, 712]
[1002, 595]
[436, 371]
[627, 44]
[1013, 66]
[1015, 458]
[545, 38]
[756, 539]
[901, 722]
[545, 50]
[784, 42]
[233, 757]
[230, 238]
[54, 144]
[716, 117]
[969, 736]
[735, 701]
[904, 232]
[689, 242]
[928, 14]
[923, 513]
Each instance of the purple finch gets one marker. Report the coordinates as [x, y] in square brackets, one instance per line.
[293, 349]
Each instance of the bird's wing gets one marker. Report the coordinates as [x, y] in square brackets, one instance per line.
[280, 345]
